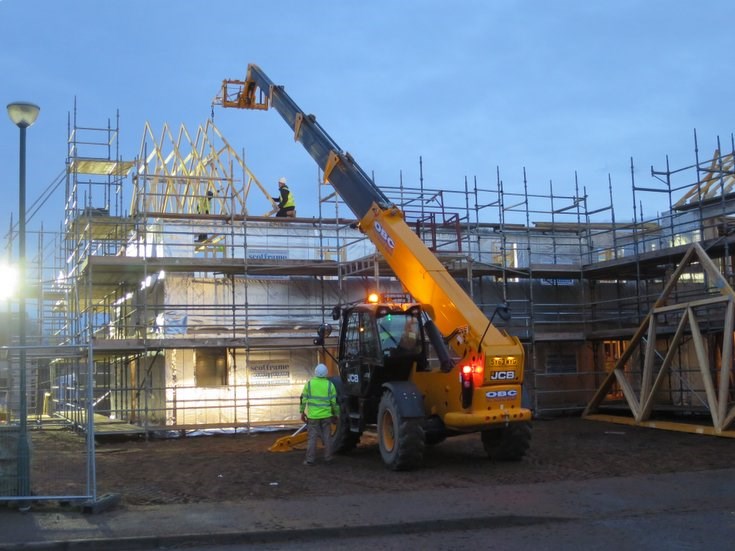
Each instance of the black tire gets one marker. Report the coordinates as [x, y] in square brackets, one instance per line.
[508, 443]
[343, 439]
[401, 441]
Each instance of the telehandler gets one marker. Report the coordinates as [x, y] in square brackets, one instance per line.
[418, 370]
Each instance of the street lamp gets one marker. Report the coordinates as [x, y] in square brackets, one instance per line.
[23, 115]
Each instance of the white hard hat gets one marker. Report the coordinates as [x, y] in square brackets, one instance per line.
[282, 180]
[321, 370]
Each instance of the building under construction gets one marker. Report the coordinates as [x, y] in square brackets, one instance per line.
[192, 307]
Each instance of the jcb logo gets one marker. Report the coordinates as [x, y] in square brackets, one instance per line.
[384, 236]
[353, 378]
[503, 375]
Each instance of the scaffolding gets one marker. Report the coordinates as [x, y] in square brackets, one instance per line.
[195, 309]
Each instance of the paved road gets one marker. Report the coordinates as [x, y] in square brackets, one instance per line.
[711, 531]
[673, 511]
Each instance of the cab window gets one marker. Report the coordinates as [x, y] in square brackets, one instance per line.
[360, 336]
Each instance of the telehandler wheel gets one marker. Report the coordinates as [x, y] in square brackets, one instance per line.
[401, 441]
[508, 443]
[343, 439]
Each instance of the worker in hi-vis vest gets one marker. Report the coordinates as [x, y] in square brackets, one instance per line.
[204, 206]
[286, 203]
[319, 409]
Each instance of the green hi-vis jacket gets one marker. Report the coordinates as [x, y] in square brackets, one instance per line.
[319, 399]
[289, 202]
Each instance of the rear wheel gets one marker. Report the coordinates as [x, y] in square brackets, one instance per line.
[401, 441]
[508, 443]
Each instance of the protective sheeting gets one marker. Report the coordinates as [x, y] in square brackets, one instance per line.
[226, 386]
[217, 306]
[260, 384]
[261, 387]
[520, 249]
[254, 240]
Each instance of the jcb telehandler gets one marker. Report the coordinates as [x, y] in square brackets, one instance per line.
[459, 374]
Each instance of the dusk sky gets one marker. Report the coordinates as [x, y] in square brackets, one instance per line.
[469, 86]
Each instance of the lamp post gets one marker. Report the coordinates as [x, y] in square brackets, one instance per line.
[23, 115]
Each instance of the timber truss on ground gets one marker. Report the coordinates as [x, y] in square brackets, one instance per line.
[647, 386]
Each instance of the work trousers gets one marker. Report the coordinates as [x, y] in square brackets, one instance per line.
[319, 429]
[286, 212]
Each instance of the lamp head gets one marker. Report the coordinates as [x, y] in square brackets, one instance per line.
[22, 113]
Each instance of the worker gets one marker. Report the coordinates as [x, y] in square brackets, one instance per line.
[319, 409]
[286, 203]
[205, 203]
[204, 206]
[410, 339]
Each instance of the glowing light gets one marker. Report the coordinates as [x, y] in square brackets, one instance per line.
[373, 298]
[8, 280]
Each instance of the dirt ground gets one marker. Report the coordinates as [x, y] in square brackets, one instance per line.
[231, 467]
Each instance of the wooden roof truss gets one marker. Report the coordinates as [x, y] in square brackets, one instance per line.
[177, 173]
[642, 391]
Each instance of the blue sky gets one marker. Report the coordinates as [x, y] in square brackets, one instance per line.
[555, 87]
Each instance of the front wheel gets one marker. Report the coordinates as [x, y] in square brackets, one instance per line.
[343, 439]
[401, 441]
[508, 443]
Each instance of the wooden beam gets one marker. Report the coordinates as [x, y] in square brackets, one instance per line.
[628, 392]
[726, 361]
[665, 425]
[648, 400]
[648, 359]
[729, 419]
[692, 304]
[599, 396]
[704, 369]
[718, 280]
